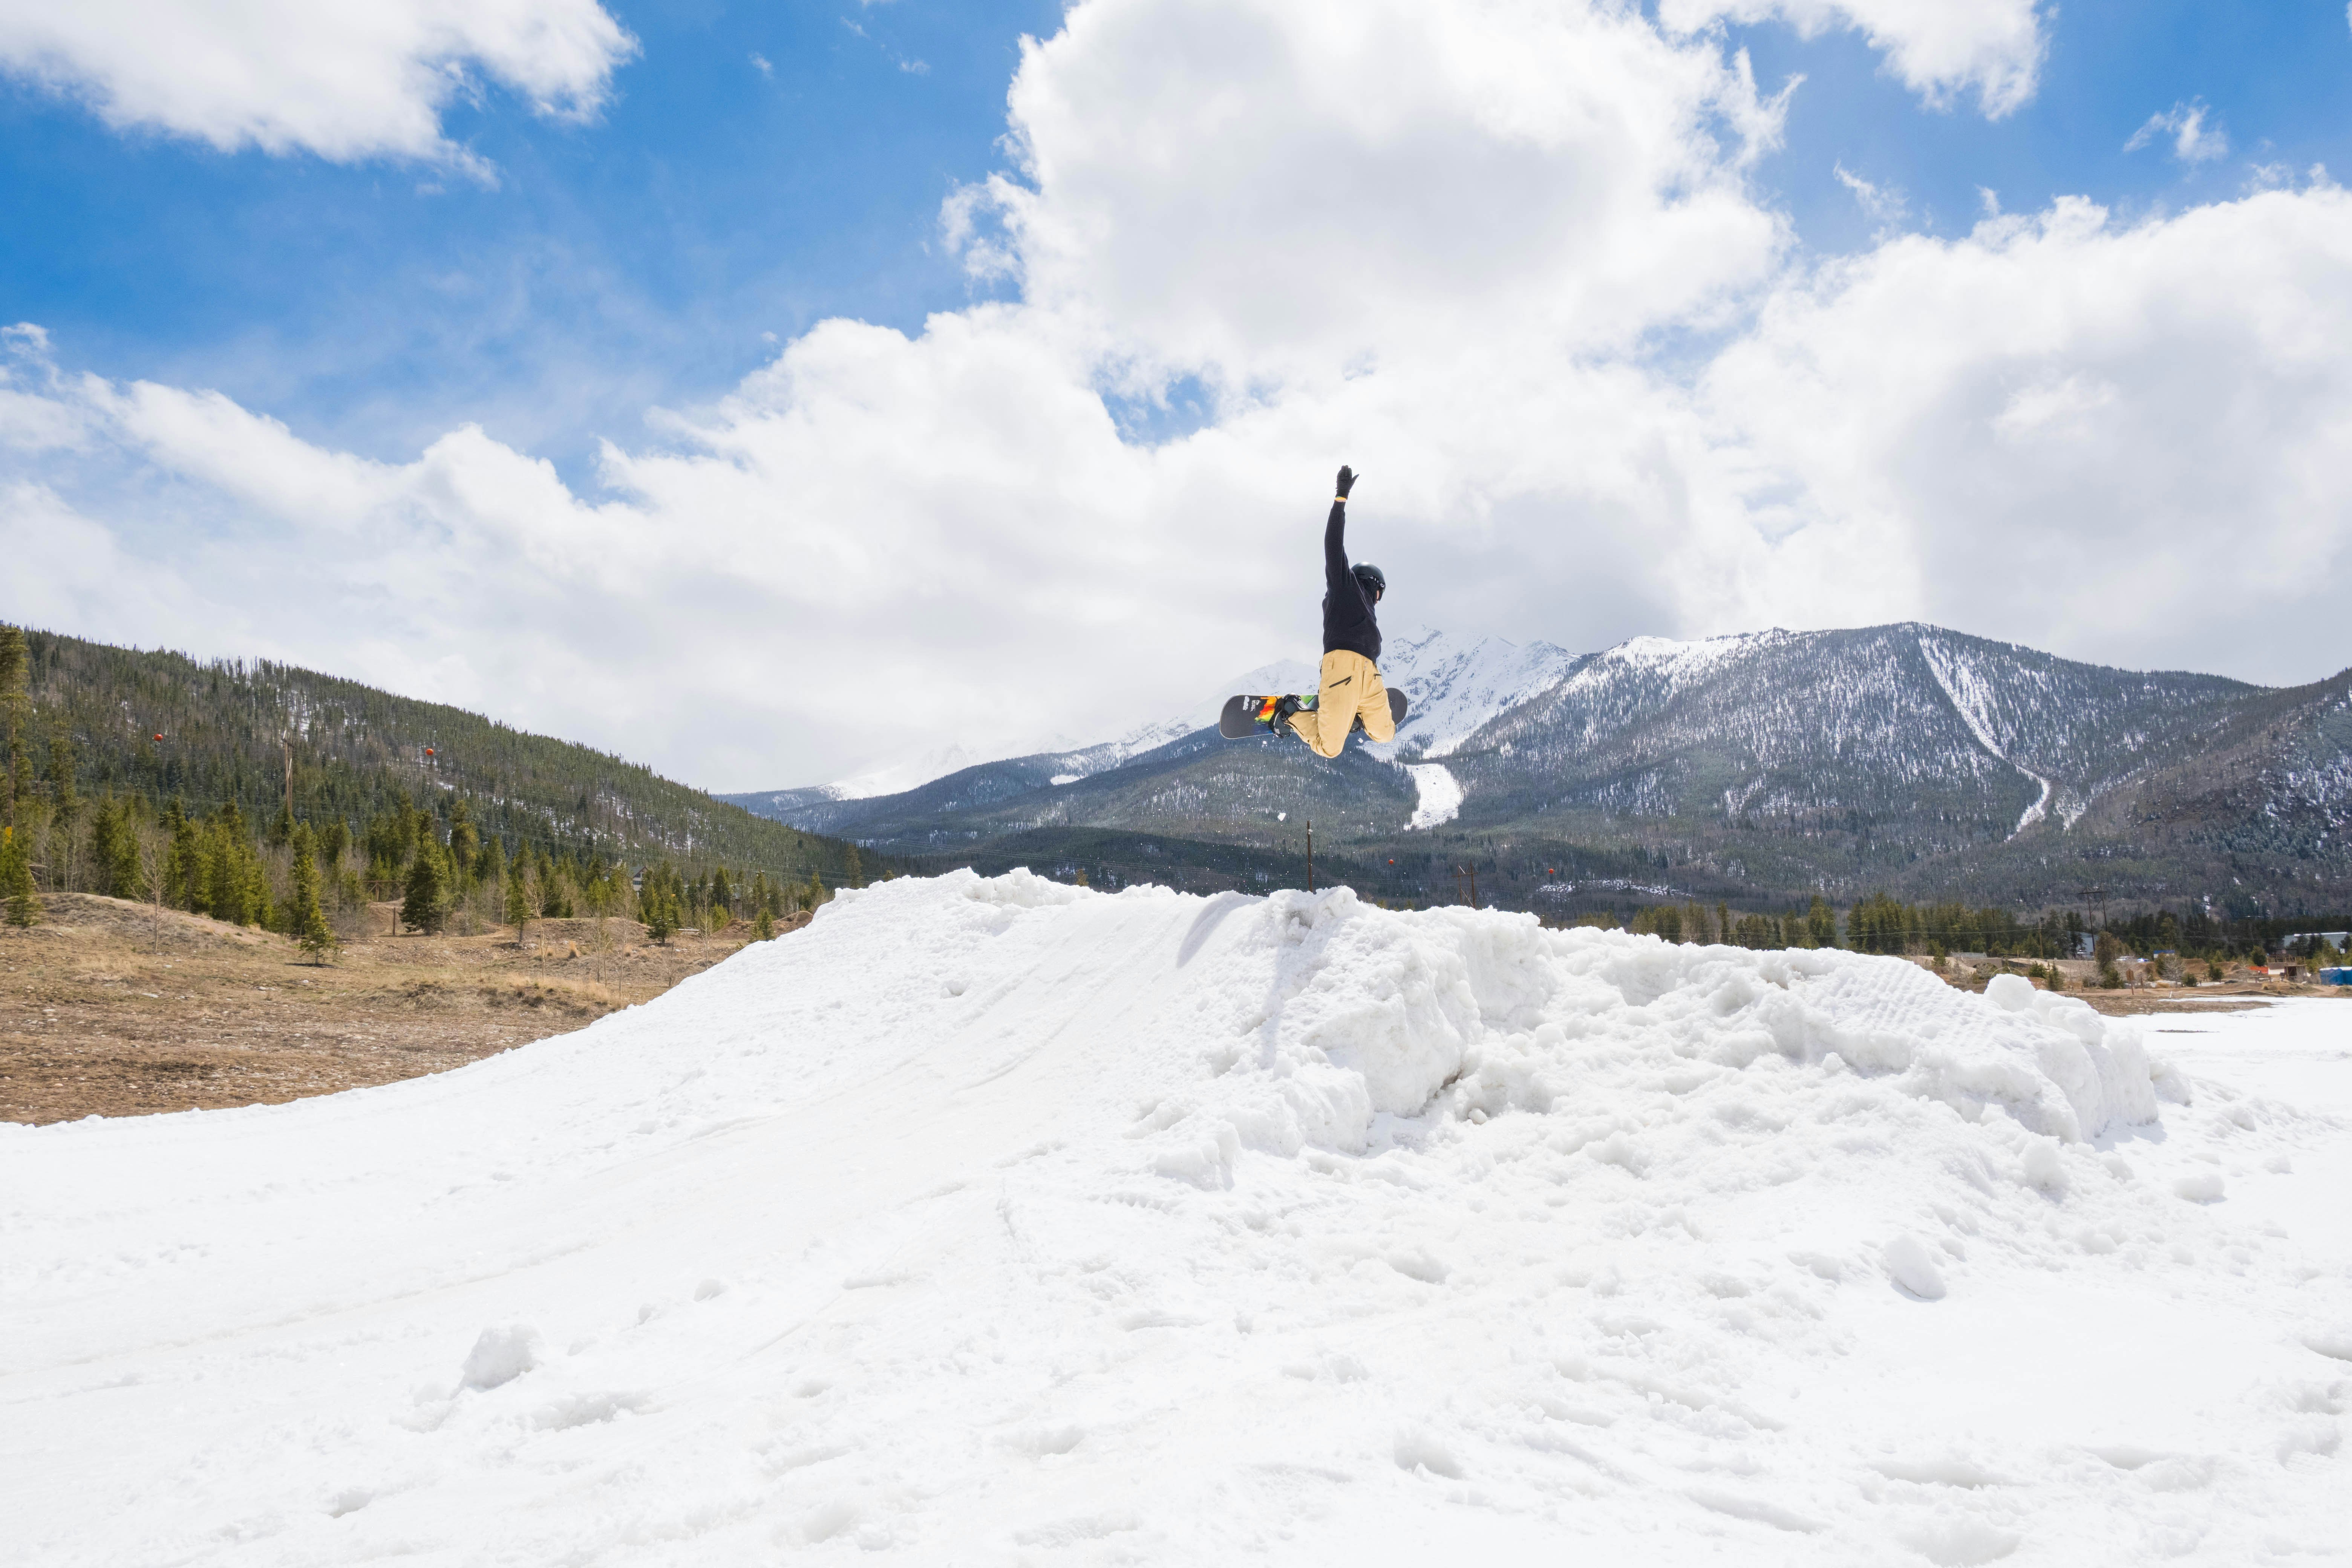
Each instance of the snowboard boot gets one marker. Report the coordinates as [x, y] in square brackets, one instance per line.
[1285, 709]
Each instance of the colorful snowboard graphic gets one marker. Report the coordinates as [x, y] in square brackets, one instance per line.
[1247, 716]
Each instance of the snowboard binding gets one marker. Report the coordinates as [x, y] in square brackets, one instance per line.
[1280, 711]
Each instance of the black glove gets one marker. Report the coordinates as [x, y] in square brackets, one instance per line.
[1347, 480]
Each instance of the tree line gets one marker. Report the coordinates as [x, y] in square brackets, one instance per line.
[307, 881]
[1695, 923]
[82, 810]
[1881, 923]
[160, 726]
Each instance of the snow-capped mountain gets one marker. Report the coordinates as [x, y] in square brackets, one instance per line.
[1903, 756]
[1070, 764]
[1458, 684]
[1455, 684]
[1798, 726]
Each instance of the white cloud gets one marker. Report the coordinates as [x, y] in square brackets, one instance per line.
[1434, 243]
[1937, 47]
[1259, 188]
[2193, 142]
[2117, 442]
[343, 81]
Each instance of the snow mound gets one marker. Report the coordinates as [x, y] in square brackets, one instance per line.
[992, 1220]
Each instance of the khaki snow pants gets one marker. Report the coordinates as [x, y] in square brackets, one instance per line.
[1351, 689]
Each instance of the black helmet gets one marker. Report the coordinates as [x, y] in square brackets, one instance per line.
[1370, 576]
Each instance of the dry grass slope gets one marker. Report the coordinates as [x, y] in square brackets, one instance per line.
[111, 1008]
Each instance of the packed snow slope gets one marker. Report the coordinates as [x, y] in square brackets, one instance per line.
[994, 1221]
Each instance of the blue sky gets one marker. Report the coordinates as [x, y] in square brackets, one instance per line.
[2278, 77]
[657, 254]
[437, 352]
[644, 258]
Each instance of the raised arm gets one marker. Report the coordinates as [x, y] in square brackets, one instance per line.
[1335, 534]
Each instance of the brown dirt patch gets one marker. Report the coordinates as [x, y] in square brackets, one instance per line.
[2241, 989]
[108, 1009]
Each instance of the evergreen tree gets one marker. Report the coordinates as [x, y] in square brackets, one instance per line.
[68, 802]
[556, 894]
[184, 865]
[857, 870]
[16, 879]
[308, 921]
[519, 905]
[16, 718]
[427, 904]
[658, 911]
[101, 844]
[490, 864]
[817, 893]
[224, 899]
[125, 878]
[1662, 921]
[390, 846]
[1821, 924]
[331, 842]
[255, 892]
[465, 843]
[603, 892]
[659, 902]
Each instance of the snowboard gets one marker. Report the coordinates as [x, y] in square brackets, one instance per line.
[1247, 716]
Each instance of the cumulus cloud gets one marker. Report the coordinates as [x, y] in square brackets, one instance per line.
[345, 82]
[1256, 188]
[1443, 244]
[2114, 440]
[2193, 142]
[1936, 48]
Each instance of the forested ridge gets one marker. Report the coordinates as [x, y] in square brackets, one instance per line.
[105, 743]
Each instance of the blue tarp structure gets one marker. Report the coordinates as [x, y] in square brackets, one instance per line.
[2335, 977]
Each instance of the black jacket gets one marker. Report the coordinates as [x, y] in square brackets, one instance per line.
[1348, 620]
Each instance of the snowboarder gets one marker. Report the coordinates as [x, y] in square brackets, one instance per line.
[1353, 692]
